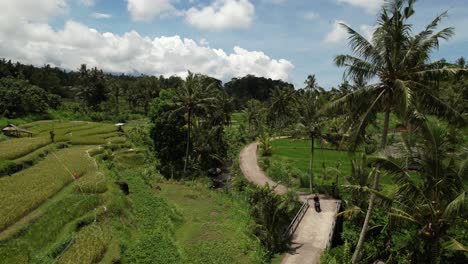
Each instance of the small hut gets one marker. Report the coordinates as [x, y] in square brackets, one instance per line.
[120, 127]
[14, 131]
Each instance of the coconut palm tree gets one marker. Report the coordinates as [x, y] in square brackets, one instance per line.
[282, 102]
[434, 199]
[193, 98]
[311, 122]
[400, 62]
[254, 114]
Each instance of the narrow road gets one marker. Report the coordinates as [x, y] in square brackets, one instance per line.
[312, 235]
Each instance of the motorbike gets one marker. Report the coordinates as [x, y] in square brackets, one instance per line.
[317, 206]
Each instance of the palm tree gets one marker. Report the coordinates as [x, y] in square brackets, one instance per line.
[282, 102]
[311, 123]
[254, 113]
[194, 97]
[400, 61]
[435, 198]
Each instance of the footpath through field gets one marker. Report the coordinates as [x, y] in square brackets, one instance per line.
[312, 235]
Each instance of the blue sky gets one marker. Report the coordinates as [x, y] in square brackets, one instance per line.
[295, 37]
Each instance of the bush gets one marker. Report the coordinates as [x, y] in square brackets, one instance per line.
[7, 167]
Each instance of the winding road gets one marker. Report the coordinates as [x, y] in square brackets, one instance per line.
[312, 235]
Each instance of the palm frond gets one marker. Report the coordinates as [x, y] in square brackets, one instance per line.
[351, 212]
[361, 46]
[454, 207]
[454, 245]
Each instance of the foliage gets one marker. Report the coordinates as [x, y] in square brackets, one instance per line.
[198, 109]
[273, 214]
[167, 134]
[19, 98]
[282, 107]
[254, 114]
[265, 144]
[252, 87]
[434, 200]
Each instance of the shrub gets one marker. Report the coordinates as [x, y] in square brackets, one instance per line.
[7, 167]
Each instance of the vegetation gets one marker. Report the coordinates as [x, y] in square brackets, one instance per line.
[166, 187]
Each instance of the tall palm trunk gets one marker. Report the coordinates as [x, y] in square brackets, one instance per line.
[370, 209]
[311, 161]
[187, 149]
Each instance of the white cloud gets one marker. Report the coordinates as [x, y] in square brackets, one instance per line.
[87, 2]
[311, 15]
[367, 31]
[370, 6]
[146, 10]
[222, 14]
[337, 34]
[275, 1]
[101, 15]
[36, 42]
[31, 10]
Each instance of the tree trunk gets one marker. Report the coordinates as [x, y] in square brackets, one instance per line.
[311, 161]
[370, 209]
[189, 123]
[435, 251]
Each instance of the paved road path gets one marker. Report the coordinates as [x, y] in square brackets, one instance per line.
[312, 234]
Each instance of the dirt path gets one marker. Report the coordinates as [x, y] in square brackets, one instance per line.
[249, 166]
[312, 235]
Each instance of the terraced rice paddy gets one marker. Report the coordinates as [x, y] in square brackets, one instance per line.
[56, 188]
[27, 189]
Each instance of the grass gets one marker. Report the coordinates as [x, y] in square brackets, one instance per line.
[296, 154]
[24, 191]
[213, 230]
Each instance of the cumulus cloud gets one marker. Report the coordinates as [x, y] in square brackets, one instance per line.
[337, 34]
[31, 10]
[36, 42]
[222, 14]
[370, 6]
[146, 10]
[101, 15]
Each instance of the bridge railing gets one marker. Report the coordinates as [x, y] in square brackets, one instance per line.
[297, 219]
[330, 236]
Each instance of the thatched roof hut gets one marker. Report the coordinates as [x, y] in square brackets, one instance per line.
[12, 130]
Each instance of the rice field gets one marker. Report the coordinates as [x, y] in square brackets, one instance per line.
[297, 153]
[88, 245]
[16, 148]
[48, 208]
[26, 190]
[77, 133]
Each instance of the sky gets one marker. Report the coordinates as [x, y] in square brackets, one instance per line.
[278, 39]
